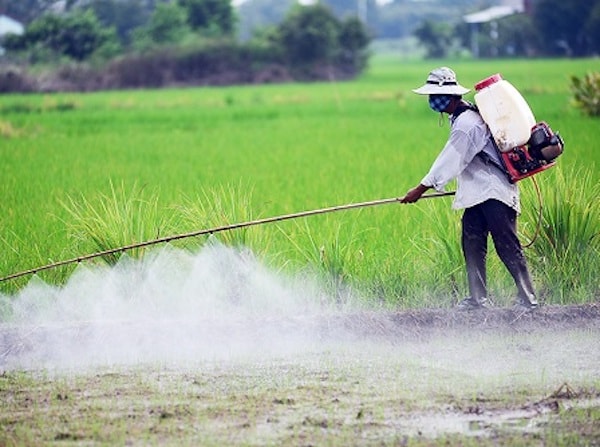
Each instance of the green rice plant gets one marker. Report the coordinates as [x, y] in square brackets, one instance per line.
[443, 250]
[332, 251]
[14, 247]
[393, 285]
[117, 219]
[226, 205]
[567, 248]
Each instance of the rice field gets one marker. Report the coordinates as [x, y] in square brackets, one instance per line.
[146, 164]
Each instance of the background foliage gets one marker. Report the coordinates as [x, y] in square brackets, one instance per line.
[189, 42]
[297, 42]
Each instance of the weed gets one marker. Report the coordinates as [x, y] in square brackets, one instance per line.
[332, 251]
[444, 251]
[569, 235]
[115, 220]
[221, 206]
[7, 130]
[586, 93]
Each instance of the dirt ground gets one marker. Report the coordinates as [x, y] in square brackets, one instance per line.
[391, 326]
[418, 322]
[422, 377]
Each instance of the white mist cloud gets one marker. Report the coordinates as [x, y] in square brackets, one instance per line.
[183, 309]
[171, 306]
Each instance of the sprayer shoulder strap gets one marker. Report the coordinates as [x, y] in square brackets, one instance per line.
[497, 164]
[463, 107]
[481, 154]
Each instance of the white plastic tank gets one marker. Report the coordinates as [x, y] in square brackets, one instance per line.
[505, 111]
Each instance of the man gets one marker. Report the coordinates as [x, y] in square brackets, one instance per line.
[490, 201]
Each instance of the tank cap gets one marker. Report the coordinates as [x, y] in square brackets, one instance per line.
[488, 81]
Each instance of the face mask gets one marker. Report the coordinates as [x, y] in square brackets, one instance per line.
[439, 103]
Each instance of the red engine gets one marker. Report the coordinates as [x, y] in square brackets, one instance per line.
[537, 155]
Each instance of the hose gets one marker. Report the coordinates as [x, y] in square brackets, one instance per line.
[538, 224]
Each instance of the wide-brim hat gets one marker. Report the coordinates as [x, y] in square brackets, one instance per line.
[441, 81]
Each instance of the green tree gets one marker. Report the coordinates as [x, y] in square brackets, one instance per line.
[436, 37]
[562, 26]
[212, 16]
[353, 40]
[83, 35]
[44, 31]
[167, 24]
[515, 36]
[76, 35]
[592, 29]
[309, 35]
[124, 16]
[314, 42]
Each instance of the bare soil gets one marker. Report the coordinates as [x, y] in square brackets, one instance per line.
[497, 376]
[415, 323]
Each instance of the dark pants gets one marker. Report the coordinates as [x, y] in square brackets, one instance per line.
[495, 218]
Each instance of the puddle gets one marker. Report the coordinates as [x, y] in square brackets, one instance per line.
[488, 423]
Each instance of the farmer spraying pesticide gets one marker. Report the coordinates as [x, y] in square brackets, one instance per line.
[489, 199]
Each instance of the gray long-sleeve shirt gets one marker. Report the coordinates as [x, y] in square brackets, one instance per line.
[477, 181]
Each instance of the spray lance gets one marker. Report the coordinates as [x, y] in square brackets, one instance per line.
[234, 226]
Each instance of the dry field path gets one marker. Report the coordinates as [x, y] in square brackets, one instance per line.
[490, 377]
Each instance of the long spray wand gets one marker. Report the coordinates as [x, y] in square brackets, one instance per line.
[167, 239]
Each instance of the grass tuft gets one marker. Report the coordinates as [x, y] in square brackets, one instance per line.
[225, 205]
[7, 130]
[569, 236]
[117, 219]
[334, 252]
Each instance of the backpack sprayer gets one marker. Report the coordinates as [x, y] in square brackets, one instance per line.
[525, 147]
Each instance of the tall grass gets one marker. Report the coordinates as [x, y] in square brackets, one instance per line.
[565, 243]
[224, 205]
[332, 251]
[567, 248]
[443, 250]
[120, 218]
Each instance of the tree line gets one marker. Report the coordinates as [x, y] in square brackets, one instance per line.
[549, 28]
[552, 28]
[119, 44]
[110, 43]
